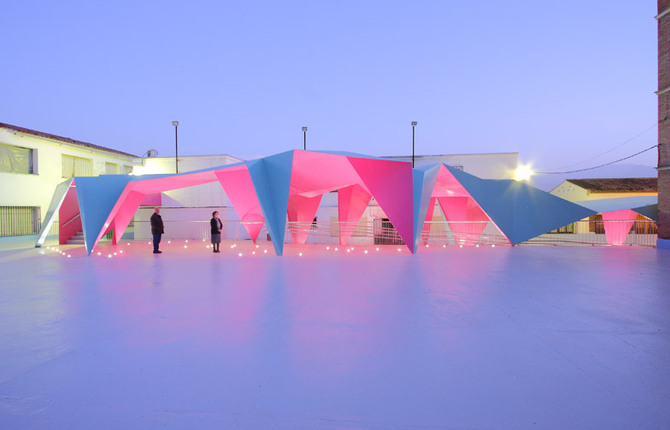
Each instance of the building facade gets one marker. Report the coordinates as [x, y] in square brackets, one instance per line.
[33, 163]
[577, 190]
[663, 92]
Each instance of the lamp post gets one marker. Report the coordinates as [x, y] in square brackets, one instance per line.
[304, 138]
[413, 125]
[176, 147]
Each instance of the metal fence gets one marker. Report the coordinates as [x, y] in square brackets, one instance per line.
[593, 233]
[381, 232]
[19, 220]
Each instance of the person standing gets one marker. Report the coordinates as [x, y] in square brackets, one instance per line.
[157, 229]
[216, 227]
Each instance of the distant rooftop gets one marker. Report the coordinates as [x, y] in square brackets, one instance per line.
[63, 139]
[617, 185]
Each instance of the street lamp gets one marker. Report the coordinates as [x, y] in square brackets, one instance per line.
[176, 147]
[413, 125]
[304, 138]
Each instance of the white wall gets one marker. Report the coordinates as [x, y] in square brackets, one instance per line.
[486, 166]
[37, 189]
[569, 191]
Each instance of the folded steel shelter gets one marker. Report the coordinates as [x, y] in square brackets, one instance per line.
[291, 184]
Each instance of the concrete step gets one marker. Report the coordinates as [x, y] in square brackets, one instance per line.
[76, 239]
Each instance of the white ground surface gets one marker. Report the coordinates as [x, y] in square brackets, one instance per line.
[504, 338]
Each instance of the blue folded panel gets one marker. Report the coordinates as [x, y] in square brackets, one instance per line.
[97, 197]
[521, 211]
[423, 182]
[271, 177]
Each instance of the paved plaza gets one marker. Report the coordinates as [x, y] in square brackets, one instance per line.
[449, 338]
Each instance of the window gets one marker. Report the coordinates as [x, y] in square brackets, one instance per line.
[19, 220]
[596, 224]
[111, 169]
[127, 170]
[16, 159]
[644, 225]
[570, 228]
[75, 166]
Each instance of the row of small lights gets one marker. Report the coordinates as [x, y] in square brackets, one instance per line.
[233, 246]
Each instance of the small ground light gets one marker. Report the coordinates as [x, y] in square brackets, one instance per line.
[253, 252]
[109, 255]
[348, 250]
[169, 241]
[493, 245]
[327, 247]
[300, 254]
[398, 249]
[265, 251]
[239, 255]
[185, 246]
[128, 243]
[115, 253]
[460, 246]
[257, 246]
[186, 240]
[120, 252]
[335, 249]
[366, 251]
[377, 249]
[444, 246]
[69, 256]
[99, 253]
[477, 245]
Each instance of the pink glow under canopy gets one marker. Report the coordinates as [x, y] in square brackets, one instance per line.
[237, 184]
[301, 210]
[69, 221]
[618, 225]
[390, 183]
[351, 203]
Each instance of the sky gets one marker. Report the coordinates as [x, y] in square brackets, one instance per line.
[567, 85]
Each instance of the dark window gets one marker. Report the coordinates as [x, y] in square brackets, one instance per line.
[16, 159]
[19, 220]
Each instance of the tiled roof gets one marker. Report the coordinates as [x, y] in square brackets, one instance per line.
[63, 139]
[617, 185]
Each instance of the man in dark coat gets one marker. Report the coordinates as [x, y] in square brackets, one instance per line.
[157, 229]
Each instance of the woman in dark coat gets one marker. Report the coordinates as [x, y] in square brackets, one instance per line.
[216, 227]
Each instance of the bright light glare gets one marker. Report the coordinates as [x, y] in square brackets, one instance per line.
[523, 173]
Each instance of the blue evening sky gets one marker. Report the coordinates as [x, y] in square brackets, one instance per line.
[558, 82]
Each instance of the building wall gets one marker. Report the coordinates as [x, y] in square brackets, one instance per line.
[37, 189]
[500, 165]
[574, 193]
[571, 192]
[664, 120]
[187, 211]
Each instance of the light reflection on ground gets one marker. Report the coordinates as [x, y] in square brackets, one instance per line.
[450, 338]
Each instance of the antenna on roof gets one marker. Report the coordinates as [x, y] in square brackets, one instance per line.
[149, 154]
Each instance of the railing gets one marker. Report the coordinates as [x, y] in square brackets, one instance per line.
[19, 220]
[462, 233]
[73, 219]
[593, 233]
[435, 233]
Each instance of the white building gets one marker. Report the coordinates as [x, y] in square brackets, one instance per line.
[32, 163]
